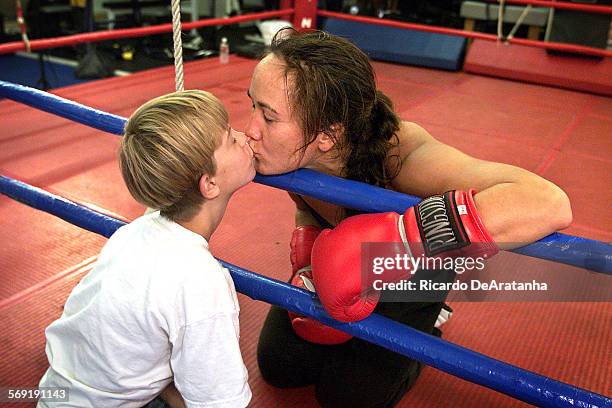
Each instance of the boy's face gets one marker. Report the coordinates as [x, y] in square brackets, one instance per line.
[234, 159]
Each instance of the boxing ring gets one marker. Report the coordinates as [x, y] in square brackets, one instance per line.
[521, 384]
[459, 361]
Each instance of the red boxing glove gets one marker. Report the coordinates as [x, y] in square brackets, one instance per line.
[307, 328]
[446, 226]
[336, 264]
[311, 329]
[302, 240]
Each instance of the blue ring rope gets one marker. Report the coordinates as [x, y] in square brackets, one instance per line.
[581, 252]
[456, 360]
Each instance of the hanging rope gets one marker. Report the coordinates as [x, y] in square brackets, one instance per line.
[500, 20]
[519, 21]
[22, 25]
[178, 44]
[549, 22]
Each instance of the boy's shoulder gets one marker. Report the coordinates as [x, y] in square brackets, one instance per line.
[163, 246]
[155, 230]
[200, 285]
[191, 263]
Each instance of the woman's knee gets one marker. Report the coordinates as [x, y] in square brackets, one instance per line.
[284, 359]
[361, 389]
[282, 368]
[270, 358]
[273, 373]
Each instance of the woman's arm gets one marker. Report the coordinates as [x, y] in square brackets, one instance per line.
[303, 216]
[516, 206]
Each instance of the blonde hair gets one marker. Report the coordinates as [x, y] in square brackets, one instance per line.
[167, 146]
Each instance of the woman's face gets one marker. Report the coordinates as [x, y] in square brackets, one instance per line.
[273, 131]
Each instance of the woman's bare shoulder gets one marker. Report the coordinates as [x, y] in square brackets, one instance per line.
[410, 137]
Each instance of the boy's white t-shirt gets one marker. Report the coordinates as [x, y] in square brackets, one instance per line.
[156, 307]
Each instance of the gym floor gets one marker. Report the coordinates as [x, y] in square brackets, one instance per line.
[562, 135]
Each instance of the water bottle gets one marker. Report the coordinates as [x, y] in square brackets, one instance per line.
[224, 51]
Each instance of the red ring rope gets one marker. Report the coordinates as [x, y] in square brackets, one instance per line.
[15, 46]
[579, 49]
[561, 5]
[11, 47]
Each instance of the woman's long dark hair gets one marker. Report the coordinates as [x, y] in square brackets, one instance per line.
[334, 88]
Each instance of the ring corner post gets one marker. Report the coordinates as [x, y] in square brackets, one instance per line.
[284, 5]
[305, 14]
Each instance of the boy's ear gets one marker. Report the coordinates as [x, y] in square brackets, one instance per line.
[327, 140]
[208, 187]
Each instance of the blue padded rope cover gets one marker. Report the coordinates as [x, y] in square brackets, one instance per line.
[401, 45]
[63, 107]
[581, 252]
[563, 248]
[456, 360]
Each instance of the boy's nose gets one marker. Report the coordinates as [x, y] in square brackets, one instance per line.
[241, 137]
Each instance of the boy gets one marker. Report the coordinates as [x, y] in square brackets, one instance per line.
[158, 314]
